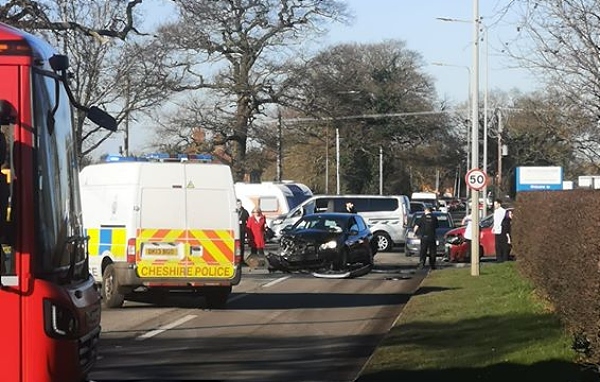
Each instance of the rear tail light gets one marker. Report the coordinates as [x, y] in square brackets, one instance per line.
[131, 253]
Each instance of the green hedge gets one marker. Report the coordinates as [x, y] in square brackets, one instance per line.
[556, 238]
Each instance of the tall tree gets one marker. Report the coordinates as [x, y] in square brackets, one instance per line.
[377, 96]
[560, 39]
[43, 16]
[235, 51]
[121, 76]
[537, 132]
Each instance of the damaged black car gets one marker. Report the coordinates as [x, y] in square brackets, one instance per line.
[325, 242]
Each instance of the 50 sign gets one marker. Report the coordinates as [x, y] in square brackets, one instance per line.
[476, 179]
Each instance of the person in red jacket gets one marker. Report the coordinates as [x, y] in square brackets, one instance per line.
[257, 225]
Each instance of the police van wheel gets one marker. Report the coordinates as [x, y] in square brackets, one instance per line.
[384, 242]
[216, 297]
[110, 289]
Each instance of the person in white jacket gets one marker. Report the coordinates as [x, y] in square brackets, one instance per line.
[468, 234]
[499, 213]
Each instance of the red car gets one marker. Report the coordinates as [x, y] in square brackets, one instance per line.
[456, 246]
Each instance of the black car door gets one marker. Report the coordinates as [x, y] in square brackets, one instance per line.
[366, 239]
[359, 239]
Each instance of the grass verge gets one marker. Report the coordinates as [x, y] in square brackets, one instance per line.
[467, 328]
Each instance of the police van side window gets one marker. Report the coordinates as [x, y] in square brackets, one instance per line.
[362, 204]
[320, 205]
[337, 205]
[384, 204]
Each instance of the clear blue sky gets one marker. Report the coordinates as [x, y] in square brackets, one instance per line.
[415, 22]
[449, 43]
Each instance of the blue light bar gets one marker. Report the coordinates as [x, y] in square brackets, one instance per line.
[119, 158]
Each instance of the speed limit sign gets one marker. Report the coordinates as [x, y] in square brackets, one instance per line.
[476, 179]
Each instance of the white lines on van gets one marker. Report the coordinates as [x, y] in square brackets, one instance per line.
[276, 281]
[164, 328]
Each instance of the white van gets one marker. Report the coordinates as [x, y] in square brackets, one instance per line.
[273, 198]
[430, 198]
[162, 226]
[387, 216]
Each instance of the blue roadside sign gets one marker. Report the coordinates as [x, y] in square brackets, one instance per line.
[539, 178]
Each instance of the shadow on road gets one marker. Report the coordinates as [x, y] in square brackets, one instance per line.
[555, 371]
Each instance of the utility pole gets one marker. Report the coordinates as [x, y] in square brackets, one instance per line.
[327, 160]
[475, 142]
[126, 137]
[499, 180]
[485, 116]
[279, 147]
[380, 170]
[337, 157]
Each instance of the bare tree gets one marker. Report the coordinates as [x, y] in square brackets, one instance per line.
[124, 77]
[242, 45]
[560, 38]
[381, 79]
[42, 15]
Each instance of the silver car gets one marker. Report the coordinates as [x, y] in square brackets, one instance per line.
[413, 242]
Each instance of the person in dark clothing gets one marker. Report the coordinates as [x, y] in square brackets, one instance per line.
[505, 238]
[350, 208]
[425, 229]
[243, 216]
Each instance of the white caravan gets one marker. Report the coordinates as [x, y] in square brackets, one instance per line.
[273, 198]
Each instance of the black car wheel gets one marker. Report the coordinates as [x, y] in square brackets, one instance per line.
[383, 240]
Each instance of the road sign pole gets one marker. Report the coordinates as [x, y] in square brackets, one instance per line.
[476, 180]
[474, 233]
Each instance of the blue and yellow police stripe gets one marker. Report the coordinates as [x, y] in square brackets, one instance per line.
[112, 239]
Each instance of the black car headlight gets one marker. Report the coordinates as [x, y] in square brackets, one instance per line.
[332, 244]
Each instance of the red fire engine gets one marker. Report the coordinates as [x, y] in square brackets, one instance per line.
[50, 319]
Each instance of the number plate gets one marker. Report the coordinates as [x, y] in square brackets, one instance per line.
[161, 251]
[153, 250]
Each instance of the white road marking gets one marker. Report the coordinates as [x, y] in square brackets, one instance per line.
[164, 328]
[276, 281]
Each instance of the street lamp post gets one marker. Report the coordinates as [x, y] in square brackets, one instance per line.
[475, 142]
[380, 170]
[327, 160]
[474, 134]
[337, 158]
[483, 28]
[499, 180]
[485, 115]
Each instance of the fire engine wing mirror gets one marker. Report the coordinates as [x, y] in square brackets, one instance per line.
[102, 118]
[60, 64]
